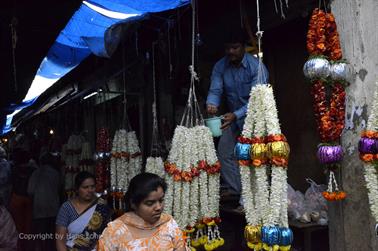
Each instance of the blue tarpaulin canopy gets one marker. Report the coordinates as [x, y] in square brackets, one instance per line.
[94, 28]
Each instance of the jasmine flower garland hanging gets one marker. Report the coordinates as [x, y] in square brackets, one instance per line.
[368, 154]
[261, 145]
[193, 186]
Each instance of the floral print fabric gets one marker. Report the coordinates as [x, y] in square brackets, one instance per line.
[132, 233]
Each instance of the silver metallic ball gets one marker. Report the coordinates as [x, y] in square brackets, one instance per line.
[316, 68]
[342, 71]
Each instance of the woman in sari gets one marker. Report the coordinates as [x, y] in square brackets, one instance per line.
[144, 226]
[81, 220]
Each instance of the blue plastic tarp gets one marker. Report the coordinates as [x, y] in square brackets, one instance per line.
[94, 28]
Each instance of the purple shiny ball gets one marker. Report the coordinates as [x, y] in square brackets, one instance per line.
[330, 154]
[367, 145]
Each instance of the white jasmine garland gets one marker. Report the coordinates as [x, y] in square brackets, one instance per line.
[213, 179]
[262, 192]
[247, 173]
[370, 172]
[155, 165]
[278, 194]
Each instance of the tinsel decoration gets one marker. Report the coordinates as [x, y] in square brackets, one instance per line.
[328, 74]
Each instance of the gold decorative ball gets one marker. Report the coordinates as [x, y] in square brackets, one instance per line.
[279, 149]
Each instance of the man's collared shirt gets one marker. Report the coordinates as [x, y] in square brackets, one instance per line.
[236, 83]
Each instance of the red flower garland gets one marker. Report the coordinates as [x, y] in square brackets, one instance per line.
[323, 40]
[179, 175]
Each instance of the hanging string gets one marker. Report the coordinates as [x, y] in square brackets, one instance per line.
[241, 13]
[155, 128]
[13, 25]
[169, 50]
[261, 74]
[125, 121]
[281, 7]
[192, 114]
[136, 43]
[324, 4]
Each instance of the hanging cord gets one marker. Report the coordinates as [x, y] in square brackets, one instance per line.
[324, 4]
[155, 149]
[192, 114]
[281, 7]
[125, 121]
[136, 43]
[169, 49]
[261, 73]
[14, 45]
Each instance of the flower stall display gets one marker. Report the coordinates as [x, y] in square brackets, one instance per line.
[263, 149]
[193, 186]
[125, 160]
[328, 74]
[368, 148]
[102, 160]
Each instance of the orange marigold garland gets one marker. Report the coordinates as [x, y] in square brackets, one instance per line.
[323, 44]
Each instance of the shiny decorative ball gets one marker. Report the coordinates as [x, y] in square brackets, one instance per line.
[252, 234]
[367, 145]
[342, 71]
[242, 151]
[270, 235]
[316, 68]
[330, 154]
[258, 151]
[279, 149]
[286, 237]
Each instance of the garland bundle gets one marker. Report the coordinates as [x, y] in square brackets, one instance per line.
[328, 74]
[155, 165]
[86, 158]
[368, 148]
[126, 159]
[260, 147]
[192, 197]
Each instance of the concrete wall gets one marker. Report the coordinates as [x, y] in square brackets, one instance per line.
[351, 225]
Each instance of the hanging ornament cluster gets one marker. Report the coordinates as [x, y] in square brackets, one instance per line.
[71, 153]
[116, 200]
[329, 74]
[368, 148]
[261, 147]
[126, 159]
[102, 160]
[193, 186]
[86, 158]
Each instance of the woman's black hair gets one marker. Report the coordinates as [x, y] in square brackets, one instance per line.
[141, 186]
[81, 176]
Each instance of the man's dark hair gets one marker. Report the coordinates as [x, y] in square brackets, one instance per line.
[81, 176]
[234, 34]
[141, 186]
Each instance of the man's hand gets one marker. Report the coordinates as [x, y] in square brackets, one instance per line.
[228, 118]
[211, 109]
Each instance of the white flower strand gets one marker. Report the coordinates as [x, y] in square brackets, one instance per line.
[262, 192]
[370, 172]
[213, 179]
[278, 193]
[155, 165]
[246, 173]
[372, 186]
[195, 184]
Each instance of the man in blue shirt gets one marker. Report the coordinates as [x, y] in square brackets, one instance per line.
[233, 75]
